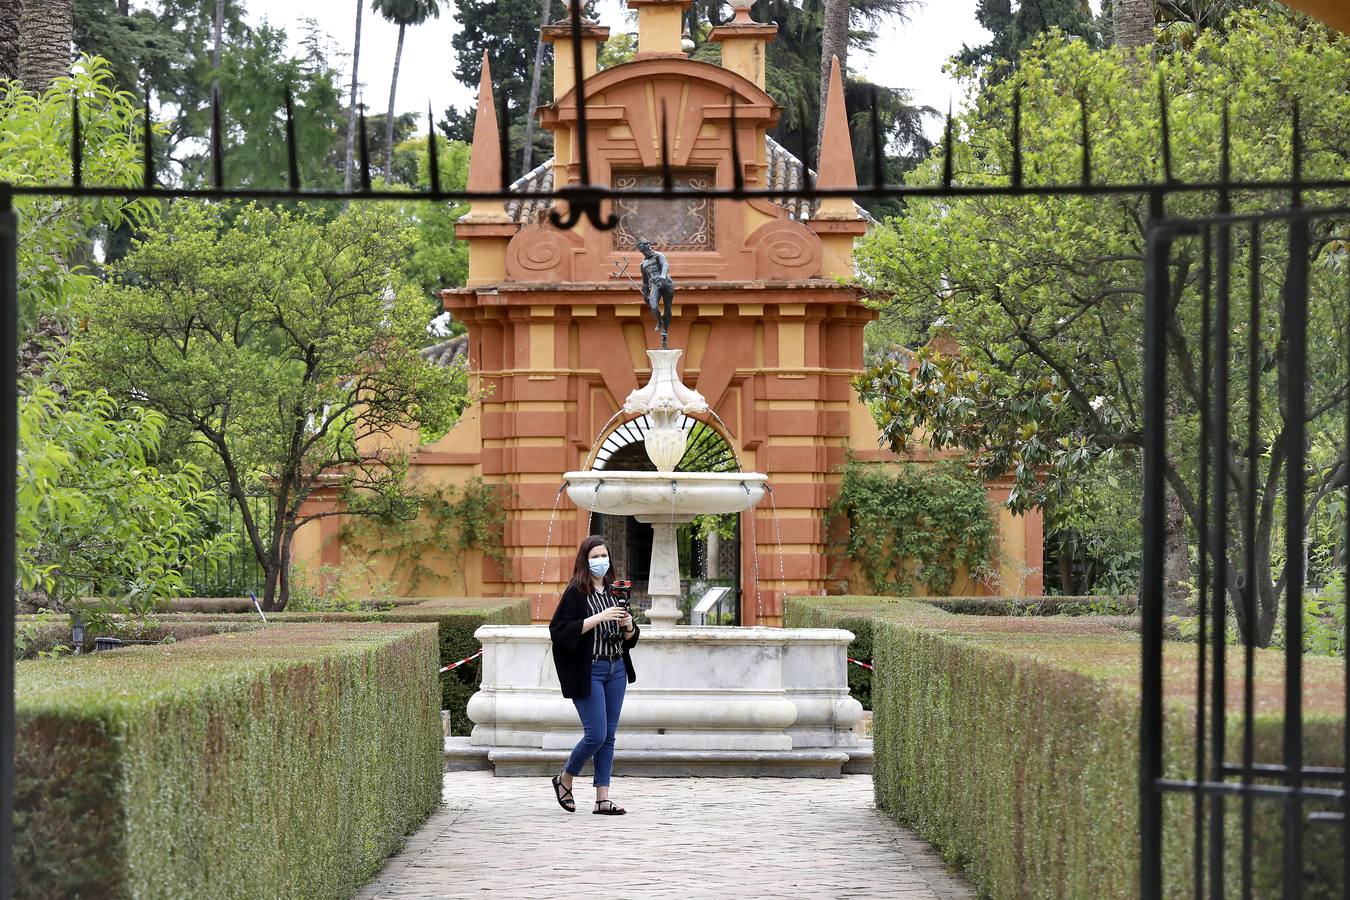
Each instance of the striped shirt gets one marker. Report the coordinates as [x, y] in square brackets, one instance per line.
[608, 636]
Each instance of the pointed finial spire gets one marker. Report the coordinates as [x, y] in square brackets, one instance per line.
[485, 164]
[836, 150]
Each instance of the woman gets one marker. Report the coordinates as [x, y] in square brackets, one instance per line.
[591, 639]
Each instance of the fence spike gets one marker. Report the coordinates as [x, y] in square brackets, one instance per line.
[433, 155]
[76, 142]
[292, 159]
[667, 177]
[1017, 137]
[808, 180]
[504, 138]
[1226, 147]
[1296, 151]
[1083, 129]
[1166, 131]
[148, 146]
[737, 175]
[217, 140]
[583, 151]
[947, 162]
[878, 150]
[365, 155]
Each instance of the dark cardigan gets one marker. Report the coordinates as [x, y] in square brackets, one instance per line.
[573, 648]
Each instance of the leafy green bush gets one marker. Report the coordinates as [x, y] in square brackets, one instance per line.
[288, 762]
[908, 523]
[49, 634]
[100, 528]
[1011, 743]
[456, 620]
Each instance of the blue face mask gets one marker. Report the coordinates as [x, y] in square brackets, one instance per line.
[599, 566]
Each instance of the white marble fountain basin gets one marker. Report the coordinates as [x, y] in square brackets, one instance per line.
[647, 494]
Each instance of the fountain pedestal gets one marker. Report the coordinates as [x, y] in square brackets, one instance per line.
[663, 577]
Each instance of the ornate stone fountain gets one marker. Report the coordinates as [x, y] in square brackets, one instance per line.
[665, 498]
[708, 701]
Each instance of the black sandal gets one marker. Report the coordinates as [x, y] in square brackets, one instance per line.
[563, 794]
[612, 811]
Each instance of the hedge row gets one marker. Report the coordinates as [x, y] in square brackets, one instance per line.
[1050, 605]
[456, 621]
[1012, 745]
[39, 636]
[286, 762]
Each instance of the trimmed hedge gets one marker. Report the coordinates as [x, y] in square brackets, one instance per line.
[456, 621]
[286, 762]
[1012, 745]
[49, 635]
[1049, 605]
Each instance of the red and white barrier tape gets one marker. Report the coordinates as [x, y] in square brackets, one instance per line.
[456, 665]
[858, 662]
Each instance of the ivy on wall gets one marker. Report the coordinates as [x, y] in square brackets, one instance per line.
[451, 521]
[908, 524]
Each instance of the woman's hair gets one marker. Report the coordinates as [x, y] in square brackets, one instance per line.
[581, 572]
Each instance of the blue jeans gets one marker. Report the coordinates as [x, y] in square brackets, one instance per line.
[600, 719]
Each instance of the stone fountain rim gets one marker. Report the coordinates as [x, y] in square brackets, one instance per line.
[689, 634]
[631, 475]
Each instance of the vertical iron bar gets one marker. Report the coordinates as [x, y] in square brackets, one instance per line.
[1017, 138]
[9, 442]
[292, 154]
[1250, 595]
[148, 146]
[1218, 537]
[667, 177]
[582, 151]
[1294, 333]
[217, 140]
[737, 173]
[504, 138]
[1206, 404]
[76, 143]
[1345, 649]
[1166, 130]
[365, 154]
[947, 163]
[433, 154]
[1151, 578]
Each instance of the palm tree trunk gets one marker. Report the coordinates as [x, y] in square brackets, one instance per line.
[1133, 23]
[44, 47]
[389, 119]
[351, 101]
[527, 159]
[833, 42]
[11, 14]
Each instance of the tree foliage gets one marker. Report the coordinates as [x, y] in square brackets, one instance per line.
[1012, 31]
[100, 527]
[56, 264]
[286, 344]
[1039, 300]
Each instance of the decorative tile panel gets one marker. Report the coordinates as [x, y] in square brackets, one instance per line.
[680, 224]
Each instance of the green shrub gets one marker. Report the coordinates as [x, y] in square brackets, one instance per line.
[456, 620]
[287, 762]
[1011, 743]
[47, 633]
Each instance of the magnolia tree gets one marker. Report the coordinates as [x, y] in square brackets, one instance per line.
[1039, 300]
[284, 345]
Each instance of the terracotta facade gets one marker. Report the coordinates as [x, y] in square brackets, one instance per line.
[771, 337]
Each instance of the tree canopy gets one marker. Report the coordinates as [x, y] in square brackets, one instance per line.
[286, 345]
[1037, 301]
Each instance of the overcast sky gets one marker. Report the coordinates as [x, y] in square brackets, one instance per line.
[909, 55]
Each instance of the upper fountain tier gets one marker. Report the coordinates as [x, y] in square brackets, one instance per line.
[665, 492]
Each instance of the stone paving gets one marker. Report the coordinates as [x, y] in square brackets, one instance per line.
[682, 837]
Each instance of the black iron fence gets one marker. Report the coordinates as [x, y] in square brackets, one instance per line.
[1264, 358]
[239, 571]
[1226, 493]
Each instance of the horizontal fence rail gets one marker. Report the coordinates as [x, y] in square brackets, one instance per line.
[1224, 496]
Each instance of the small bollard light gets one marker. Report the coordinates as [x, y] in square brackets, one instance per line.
[77, 635]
